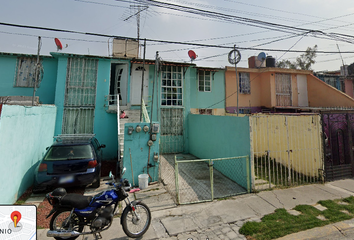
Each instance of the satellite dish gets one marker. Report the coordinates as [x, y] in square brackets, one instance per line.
[58, 43]
[262, 56]
[192, 55]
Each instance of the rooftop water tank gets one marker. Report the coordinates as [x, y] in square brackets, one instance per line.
[270, 61]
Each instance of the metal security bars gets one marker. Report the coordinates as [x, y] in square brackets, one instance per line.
[245, 83]
[287, 150]
[80, 96]
[26, 72]
[283, 89]
[171, 140]
[201, 180]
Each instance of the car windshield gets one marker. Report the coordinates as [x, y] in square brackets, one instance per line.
[69, 152]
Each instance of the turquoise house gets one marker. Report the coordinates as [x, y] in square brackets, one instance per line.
[17, 75]
[84, 90]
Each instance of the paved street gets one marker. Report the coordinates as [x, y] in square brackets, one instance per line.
[222, 219]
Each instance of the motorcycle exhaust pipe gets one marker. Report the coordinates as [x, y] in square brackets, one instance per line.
[64, 233]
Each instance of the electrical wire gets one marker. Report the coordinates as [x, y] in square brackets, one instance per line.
[160, 41]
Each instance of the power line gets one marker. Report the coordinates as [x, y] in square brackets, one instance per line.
[226, 17]
[258, 14]
[160, 41]
[278, 10]
[245, 21]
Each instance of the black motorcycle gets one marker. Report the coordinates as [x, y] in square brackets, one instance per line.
[72, 212]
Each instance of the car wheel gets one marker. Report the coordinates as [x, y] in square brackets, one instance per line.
[97, 183]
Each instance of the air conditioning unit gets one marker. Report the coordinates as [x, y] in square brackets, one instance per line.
[125, 48]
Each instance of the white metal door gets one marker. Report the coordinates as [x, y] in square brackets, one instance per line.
[136, 84]
[302, 91]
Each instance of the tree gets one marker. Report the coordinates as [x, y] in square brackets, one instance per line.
[304, 61]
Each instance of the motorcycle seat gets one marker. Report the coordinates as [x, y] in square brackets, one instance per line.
[76, 200]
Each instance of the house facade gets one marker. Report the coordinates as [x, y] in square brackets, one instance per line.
[85, 88]
[272, 89]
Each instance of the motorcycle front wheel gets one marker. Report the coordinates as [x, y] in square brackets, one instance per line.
[61, 222]
[135, 224]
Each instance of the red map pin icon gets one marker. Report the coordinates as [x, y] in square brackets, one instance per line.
[16, 217]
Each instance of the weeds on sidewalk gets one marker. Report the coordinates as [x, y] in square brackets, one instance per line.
[281, 222]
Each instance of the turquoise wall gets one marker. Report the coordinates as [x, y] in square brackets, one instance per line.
[105, 124]
[137, 144]
[192, 98]
[25, 132]
[46, 90]
[211, 99]
[222, 137]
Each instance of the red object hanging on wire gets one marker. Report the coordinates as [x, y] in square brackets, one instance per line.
[58, 43]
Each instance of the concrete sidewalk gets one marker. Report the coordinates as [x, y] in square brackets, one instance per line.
[223, 219]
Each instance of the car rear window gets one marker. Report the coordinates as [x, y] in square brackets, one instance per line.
[69, 152]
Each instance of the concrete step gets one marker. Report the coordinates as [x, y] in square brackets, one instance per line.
[264, 186]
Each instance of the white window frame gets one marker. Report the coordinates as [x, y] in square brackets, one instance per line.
[202, 79]
[172, 85]
[244, 83]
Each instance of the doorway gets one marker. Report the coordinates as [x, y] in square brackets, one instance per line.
[118, 84]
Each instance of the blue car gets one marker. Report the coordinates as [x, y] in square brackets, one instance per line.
[73, 160]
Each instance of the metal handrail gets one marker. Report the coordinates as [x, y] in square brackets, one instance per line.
[145, 113]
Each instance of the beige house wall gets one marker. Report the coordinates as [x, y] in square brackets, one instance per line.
[263, 92]
[321, 94]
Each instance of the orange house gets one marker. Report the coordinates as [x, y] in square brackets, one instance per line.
[279, 90]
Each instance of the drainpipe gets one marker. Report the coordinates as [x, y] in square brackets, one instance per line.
[151, 114]
[142, 84]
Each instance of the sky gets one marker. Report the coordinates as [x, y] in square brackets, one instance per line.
[118, 18]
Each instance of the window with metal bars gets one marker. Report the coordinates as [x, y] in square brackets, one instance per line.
[80, 96]
[172, 121]
[204, 81]
[171, 86]
[283, 89]
[25, 72]
[244, 83]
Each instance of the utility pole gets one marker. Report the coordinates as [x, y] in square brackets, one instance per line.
[36, 71]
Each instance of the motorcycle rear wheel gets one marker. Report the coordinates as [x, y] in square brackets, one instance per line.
[133, 227]
[57, 223]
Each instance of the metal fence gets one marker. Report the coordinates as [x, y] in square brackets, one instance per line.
[200, 180]
[287, 150]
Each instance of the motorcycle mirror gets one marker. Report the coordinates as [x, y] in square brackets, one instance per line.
[124, 169]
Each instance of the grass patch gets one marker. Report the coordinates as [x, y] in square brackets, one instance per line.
[281, 223]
